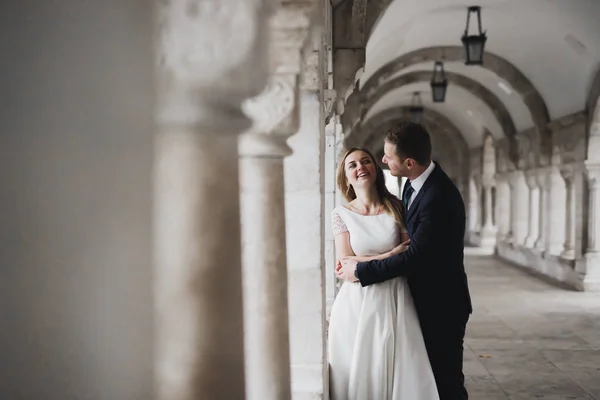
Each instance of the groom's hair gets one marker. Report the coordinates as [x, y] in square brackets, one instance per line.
[412, 141]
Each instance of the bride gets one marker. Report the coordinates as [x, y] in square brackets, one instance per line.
[376, 349]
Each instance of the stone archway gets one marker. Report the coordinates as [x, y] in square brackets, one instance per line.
[369, 99]
[500, 66]
[470, 85]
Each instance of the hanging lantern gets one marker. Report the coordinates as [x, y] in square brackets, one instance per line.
[439, 83]
[416, 109]
[474, 44]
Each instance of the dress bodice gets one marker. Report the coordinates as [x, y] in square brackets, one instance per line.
[369, 234]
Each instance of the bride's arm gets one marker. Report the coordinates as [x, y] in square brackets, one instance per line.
[343, 248]
[402, 247]
[341, 237]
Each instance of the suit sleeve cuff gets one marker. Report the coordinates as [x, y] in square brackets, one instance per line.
[359, 268]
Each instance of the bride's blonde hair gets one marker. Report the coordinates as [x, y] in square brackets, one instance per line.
[391, 204]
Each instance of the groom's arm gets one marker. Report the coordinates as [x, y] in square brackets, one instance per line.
[426, 240]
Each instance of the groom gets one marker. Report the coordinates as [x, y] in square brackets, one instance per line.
[433, 264]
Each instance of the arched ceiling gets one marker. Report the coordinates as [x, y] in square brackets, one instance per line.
[501, 89]
[468, 113]
[477, 91]
[554, 44]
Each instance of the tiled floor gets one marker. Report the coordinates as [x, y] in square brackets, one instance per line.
[529, 340]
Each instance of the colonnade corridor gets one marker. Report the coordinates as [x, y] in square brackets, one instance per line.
[168, 175]
[528, 339]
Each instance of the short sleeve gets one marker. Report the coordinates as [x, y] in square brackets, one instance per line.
[338, 224]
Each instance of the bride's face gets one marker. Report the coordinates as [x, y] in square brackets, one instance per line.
[360, 169]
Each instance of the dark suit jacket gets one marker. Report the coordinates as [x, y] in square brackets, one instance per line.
[433, 264]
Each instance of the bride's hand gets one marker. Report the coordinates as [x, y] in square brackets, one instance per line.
[338, 269]
[401, 248]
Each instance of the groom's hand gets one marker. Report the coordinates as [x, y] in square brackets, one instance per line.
[345, 269]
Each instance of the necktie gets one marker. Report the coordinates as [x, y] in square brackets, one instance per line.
[408, 191]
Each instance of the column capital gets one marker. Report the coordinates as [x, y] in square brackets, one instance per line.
[275, 111]
[592, 173]
[211, 57]
[513, 176]
[500, 178]
[568, 171]
[532, 178]
[543, 175]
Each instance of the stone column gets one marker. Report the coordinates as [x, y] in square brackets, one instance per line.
[510, 185]
[76, 131]
[212, 57]
[531, 177]
[330, 204]
[488, 223]
[304, 186]
[570, 212]
[500, 211]
[555, 228]
[474, 208]
[262, 151]
[519, 207]
[488, 232]
[592, 252]
[543, 185]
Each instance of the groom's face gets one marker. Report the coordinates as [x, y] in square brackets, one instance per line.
[392, 159]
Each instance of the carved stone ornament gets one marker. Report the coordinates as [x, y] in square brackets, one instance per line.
[531, 178]
[329, 100]
[215, 45]
[592, 172]
[275, 109]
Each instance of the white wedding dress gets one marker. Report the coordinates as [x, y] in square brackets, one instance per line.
[376, 349]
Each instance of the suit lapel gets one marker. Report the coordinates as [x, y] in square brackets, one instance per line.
[415, 203]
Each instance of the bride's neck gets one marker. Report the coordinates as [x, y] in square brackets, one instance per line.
[368, 198]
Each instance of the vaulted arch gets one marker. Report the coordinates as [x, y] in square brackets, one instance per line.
[500, 66]
[478, 90]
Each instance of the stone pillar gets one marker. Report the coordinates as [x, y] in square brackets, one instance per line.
[488, 232]
[543, 183]
[209, 64]
[330, 204]
[570, 213]
[592, 252]
[76, 130]
[474, 210]
[534, 208]
[262, 151]
[500, 211]
[519, 207]
[488, 223]
[556, 206]
[304, 186]
[510, 185]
